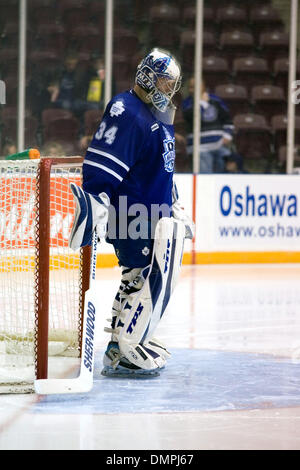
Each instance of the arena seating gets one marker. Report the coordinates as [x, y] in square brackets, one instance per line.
[245, 53]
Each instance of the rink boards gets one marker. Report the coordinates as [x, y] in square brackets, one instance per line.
[239, 219]
[245, 218]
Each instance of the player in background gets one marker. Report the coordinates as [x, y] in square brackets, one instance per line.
[129, 196]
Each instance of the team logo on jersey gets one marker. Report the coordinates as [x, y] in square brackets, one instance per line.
[169, 153]
[117, 109]
[145, 251]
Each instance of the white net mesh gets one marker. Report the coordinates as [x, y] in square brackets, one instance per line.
[18, 239]
[64, 264]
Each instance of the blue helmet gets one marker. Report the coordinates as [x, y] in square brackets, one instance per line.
[159, 74]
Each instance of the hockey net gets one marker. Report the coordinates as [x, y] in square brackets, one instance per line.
[41, 280]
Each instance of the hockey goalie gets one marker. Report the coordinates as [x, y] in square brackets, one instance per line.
[129, 198]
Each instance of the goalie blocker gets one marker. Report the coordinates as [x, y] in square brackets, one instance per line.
[91, 214]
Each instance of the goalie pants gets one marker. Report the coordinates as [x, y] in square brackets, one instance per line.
[133, 253]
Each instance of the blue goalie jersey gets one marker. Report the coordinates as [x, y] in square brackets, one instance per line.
[132, 154]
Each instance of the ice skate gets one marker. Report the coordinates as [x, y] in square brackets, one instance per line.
[117, 366]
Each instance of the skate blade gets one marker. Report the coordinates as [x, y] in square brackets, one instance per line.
[108, 371]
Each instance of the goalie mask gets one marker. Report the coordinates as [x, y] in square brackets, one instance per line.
[159, 75]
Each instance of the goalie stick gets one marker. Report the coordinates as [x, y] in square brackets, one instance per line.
[84, 382]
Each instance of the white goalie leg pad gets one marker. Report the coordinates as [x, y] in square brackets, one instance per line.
[131, 283]
[157, 347]
[145, 309]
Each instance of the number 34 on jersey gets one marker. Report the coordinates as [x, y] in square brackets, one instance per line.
[108, 135]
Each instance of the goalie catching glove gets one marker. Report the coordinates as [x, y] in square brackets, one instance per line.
[91, 213]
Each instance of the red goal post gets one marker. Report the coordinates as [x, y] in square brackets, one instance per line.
[42, 282]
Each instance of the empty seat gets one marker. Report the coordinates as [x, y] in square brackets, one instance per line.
[44, 13]
[279, 128]
[215, 4]
[44, 3]
[76, 15]
[215, 71]
[281, 72]
[12, 91]
[236, 44]
[209, 43]
[45, 58]
[274, 45]
[123, 85]
[10, 33]
[164, 12]
[282, 155]
[9, 130]
[86, 37]
[125, 41]
[265, 18]
[9, 10]
[8, 61]
[92, 120]
[164, 25]
[268, 100]
[10, 53]
[51, 114]
[84, 60]
[253, 137]
[62, 128]
[251, 4]
[179, 121]
[135, 59]
[232, 18]
[140, 11]
[65, 5]
[189, 18]
[235, 96]
[251, 71]
[50, 36]
[11, 88]
[97, 12]
[9, 112]
[187, 47]
[122, 67]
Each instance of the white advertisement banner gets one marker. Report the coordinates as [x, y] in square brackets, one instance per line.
[257, 212]
[242, 213]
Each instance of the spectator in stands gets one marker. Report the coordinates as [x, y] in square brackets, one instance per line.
[216, 129]
[90, 91]
[91, 94]
[9, 148]
[64, 88]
